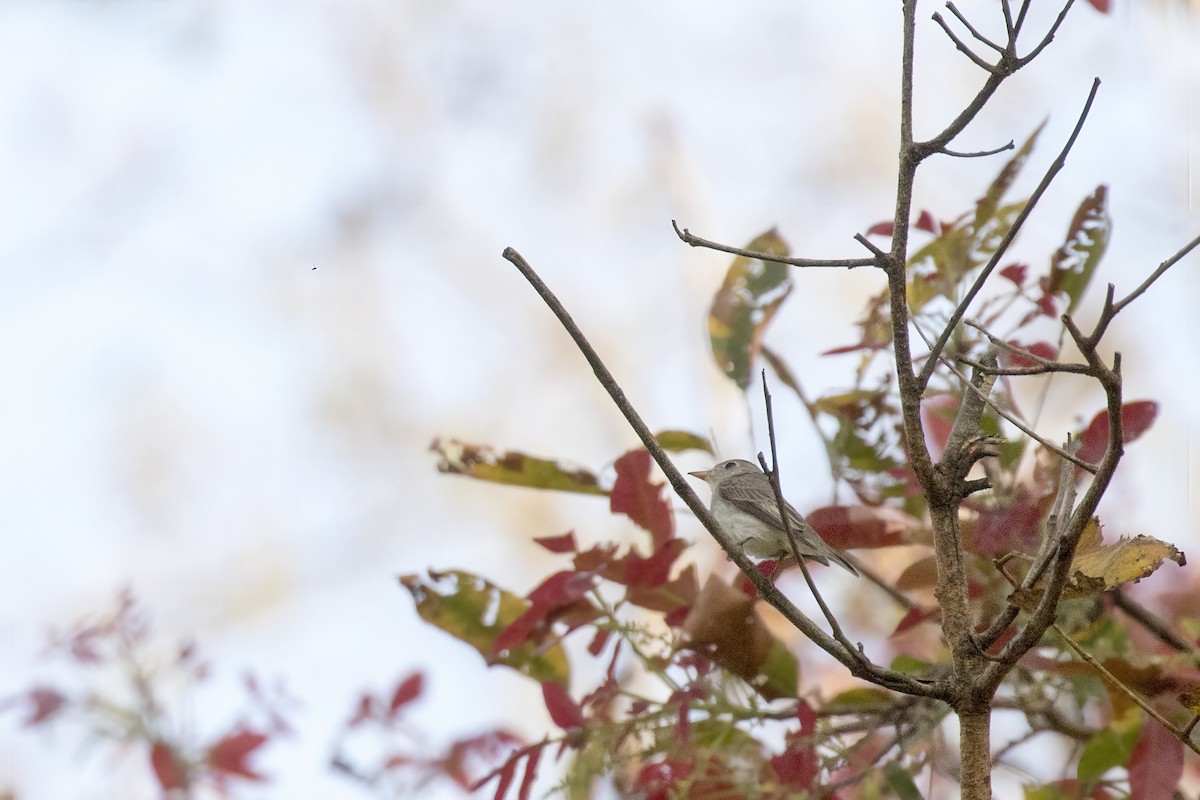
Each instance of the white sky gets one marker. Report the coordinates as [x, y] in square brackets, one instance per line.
[193, 411]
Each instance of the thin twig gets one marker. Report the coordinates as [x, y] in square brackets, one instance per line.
[880, 256]
[961, 309]
[1062, 15]
[1116, 683]
[687, 237]
[789, 534]
[967, 24]
[1021, 426]
[1144, 617]
[1163, 267]
[962, 47]
[978, 153]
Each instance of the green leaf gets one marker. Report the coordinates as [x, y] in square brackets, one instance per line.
[1072, 265]
[1111, 747]
[512, 468]
[985, 208]
[938, 268]
[861, 698]
[901, 782]
[910, 665]
[476, 611]
[779, 675]
[751, 294]
[678, 441]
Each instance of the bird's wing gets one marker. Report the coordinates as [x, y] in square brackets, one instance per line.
[750, 496]
[757, 499]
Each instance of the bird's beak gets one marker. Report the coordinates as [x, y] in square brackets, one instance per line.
[701, 474]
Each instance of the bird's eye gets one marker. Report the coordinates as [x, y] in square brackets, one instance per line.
[728, 465]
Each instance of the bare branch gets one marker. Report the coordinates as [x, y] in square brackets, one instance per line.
[978, 153]
[687, 237]
[1006, 414]
[881, 257]
[1059, 162]
[967, 24]
[962, 47]
[1062, 15]
[1163, 267]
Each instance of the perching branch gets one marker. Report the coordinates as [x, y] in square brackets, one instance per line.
[772, 474]
[767, 590]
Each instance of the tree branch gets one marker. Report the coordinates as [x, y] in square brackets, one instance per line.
[687, 237]
[881, 677]
[1055, 167]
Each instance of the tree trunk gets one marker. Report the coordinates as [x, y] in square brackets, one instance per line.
[974, 738]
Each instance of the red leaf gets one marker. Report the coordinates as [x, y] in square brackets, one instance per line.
[46, 703]
[531, 765]
[231, 753]
[796, 766]
[560, 589]
[365, 711]
[558, 544]
[937, 417]
[846, 527]
[484, 746]
[1136, 419]
[1002, 529]
[1015, 273]
[598, 641]
[407, 690]
[658, 780]
[507, 772]
[167, 769]
[1156, 764]
[563, 710]
[1103, 6]
[881, 229]
[642, 501]
[1040, 349]
[652, 571]
[926, 222]
[915, 616]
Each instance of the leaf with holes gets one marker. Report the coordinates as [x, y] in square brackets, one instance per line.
[743, 307]
[477, 611]
[511, 467]
[1075, 261]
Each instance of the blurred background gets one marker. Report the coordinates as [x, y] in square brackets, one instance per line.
[251, 264]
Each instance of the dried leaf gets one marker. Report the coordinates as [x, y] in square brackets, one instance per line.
[1128, 560]
[724, 626]
[1103, 568]
[511, 467]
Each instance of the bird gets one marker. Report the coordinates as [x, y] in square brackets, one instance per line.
[743, 503]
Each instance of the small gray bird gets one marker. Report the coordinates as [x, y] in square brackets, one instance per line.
[744, 504]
